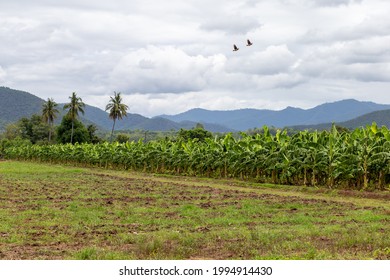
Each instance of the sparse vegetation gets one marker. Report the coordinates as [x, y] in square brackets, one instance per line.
[58, 212]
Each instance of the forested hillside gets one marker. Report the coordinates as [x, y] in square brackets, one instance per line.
[16, 104]
[381, 118]
[244, 119]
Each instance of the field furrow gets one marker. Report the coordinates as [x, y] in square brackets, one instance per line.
[63, 212]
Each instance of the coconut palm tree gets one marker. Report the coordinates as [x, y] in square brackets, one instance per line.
[75, 106]
[117, 109]
[49, 113]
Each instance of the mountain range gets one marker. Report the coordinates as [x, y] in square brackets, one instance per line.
[381, 118]
[245, 119]
[15, 104]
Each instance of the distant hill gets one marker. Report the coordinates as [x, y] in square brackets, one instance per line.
[381, 118]
[15, 104]
[244, 119]
[137, 121]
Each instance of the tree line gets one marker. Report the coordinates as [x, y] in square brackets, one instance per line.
[358, 160]
[40, 128]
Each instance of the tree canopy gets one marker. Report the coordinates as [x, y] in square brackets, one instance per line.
[75, 106]
[32, 129]
[196, 133]
[117, 110]
[49, 113]
[64, 131]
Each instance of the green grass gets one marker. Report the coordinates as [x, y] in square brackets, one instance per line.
[62, 212]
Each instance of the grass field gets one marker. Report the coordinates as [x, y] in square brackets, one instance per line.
[62, 212]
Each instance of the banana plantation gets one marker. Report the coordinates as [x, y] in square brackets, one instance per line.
[358, 160]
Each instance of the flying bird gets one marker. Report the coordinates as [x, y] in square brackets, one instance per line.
[235, 48]
[248, 43]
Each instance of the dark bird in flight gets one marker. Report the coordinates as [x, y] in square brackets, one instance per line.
[248, 43]
[235, 48]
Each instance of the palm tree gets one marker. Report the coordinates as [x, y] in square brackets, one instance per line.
[117, 109]
[75, 106]
[49, 113]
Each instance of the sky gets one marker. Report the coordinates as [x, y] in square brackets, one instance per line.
[166, 57]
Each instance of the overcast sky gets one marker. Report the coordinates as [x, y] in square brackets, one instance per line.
[169, 56]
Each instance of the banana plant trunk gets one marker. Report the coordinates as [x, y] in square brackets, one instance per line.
[365, 175]
[330, 177]
[313, 178]
[381, 180]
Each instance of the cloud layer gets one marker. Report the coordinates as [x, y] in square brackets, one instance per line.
[173, 57]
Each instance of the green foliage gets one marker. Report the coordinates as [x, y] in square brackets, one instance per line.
[147, 136]
[32, 129]
[12, 131]
[75, 106]
[117, 110]
[356, 160]
[49, 113]
[199, 125]
[17, 104]
[64, 131]
[93, 138]
[197, 133]
[122, 138]
[18, 142]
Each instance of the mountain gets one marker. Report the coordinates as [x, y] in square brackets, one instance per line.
[15, 104]
[137, 121]
[381, 118]
[244, 119]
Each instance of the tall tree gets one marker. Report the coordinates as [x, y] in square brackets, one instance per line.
[64, 131]
[49, 113]
[117, 109]
[75, 106]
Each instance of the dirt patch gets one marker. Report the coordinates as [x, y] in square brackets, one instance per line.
[372, 195]
[150, 218]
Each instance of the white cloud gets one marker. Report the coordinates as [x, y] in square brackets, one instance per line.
[364, 60]
[231, 24]
[162, 70]
[272, 60]
[176, 55]
[334, 2]
[3, 74]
